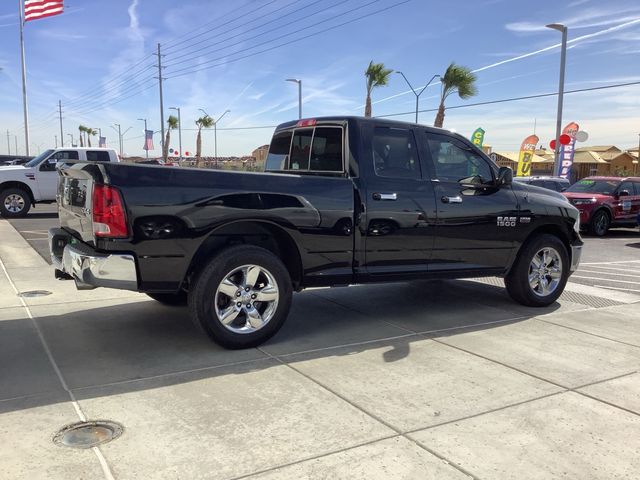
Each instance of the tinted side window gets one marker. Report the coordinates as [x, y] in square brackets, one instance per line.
[98, 156]
[454, 161]
[66, 155]
[326, 152]
[279, 151]
[301, 149]
[628, 186]
[394, 153]
[541, 183]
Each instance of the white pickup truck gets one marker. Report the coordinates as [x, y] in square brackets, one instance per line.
[22, 186]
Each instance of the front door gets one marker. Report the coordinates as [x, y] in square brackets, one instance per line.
[474, 218]
[47, 176]
[627, 204]
[397, 226]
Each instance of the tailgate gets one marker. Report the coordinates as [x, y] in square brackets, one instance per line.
[75, 189]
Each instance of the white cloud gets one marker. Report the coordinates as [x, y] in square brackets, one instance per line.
[588, 18]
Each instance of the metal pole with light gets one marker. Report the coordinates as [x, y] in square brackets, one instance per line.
[146, 147]
[417, 94]
[179, 131]
[215, 134]
[71, 135]
[299, 82]
[563, 57]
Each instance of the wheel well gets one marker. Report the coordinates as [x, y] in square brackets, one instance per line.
[21, 186]
[261, 234]
[602, 209]
[554, 230]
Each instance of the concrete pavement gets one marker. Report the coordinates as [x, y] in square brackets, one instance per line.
[362, 382]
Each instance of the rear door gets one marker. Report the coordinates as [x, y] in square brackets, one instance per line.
[400, 205]
[474, 229]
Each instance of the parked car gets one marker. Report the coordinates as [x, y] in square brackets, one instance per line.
[558, 184]
[23, 186]
[606, 202]
[344, 200]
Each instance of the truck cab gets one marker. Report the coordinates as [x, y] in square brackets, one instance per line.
[22, 186]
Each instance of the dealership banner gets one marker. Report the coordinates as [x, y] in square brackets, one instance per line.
[527, 150]
[567, 151]
[478, 137]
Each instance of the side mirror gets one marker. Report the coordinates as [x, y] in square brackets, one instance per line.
[623, 193]
[505, 176]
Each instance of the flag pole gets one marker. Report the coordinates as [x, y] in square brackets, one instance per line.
[24, 79]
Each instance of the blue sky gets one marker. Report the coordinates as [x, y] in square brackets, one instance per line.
[94, 56]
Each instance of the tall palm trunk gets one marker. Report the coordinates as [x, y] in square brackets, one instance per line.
[439, 116]
[198, 147]
[81, 140]
[165, 147]
[88, 140]
[367, 106]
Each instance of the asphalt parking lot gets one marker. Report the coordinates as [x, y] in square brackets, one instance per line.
[443, 379]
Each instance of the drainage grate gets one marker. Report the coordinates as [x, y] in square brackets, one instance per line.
[88, 434]
[34, 293]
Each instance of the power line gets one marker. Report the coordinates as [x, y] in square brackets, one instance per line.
[171, 46]
[333, 27]
[513, 99]
[207, 47]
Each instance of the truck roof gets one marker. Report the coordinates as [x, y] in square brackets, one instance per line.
[602, 177]
[355, 118]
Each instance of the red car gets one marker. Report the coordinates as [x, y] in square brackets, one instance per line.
[606, 202]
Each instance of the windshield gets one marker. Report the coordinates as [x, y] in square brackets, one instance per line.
[38, 159]
[603, 187]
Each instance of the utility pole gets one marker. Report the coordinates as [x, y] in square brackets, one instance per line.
[179, 131]
[146, 147]
[120, 135]
[60, 115]
[8, 143]
[24, 82]
[215, 135]
[56, 138]
[164, 156]
[563, 57]
[16, 137]
[71, 135]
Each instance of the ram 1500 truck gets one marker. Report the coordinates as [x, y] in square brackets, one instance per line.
[344, 200]
[23, 186]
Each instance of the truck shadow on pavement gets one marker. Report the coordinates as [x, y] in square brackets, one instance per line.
[142, 345]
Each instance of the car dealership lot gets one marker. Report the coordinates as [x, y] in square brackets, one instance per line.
[443, 379]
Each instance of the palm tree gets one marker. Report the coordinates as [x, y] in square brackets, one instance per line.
[172, 123]
[202, 122]
[456, 79]
[91, 132]
[82, 129]
[377, 76]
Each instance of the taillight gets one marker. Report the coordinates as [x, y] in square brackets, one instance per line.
[109, 217]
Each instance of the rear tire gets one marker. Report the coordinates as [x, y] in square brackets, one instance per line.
[242, 297]
[172, 299]
[600, 223]
[14, 203]
[540, 272]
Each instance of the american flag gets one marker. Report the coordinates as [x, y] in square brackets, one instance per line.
[148, 140]
[35, 9]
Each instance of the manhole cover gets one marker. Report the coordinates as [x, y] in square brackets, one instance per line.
[34, 293]
[88, 434]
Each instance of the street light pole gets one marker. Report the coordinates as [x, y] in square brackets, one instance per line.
[146, 147]
[71, 135]
[299, 82]
[417, 94]
[179, 130]
[215, 134]
[563, 57]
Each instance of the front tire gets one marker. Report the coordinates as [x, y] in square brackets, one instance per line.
[540, 272]
[14, 203]
[242, 297]
[600, 223]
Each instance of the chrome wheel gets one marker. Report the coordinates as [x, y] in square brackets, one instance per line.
[545, 272]
[246, 299]
[14, 203]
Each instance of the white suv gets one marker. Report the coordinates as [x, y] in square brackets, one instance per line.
[22, 186]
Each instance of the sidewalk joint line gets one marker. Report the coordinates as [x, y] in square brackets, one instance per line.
[568, 327]
[106, 470]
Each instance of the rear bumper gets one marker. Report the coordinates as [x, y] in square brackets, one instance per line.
[89, 268]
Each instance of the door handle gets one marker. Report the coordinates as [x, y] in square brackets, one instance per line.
[446, 199]
[385, 196]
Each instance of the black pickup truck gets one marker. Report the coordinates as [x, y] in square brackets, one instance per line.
[344, 200]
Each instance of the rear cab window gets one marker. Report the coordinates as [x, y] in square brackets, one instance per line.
[98, 156]
[306, 149]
